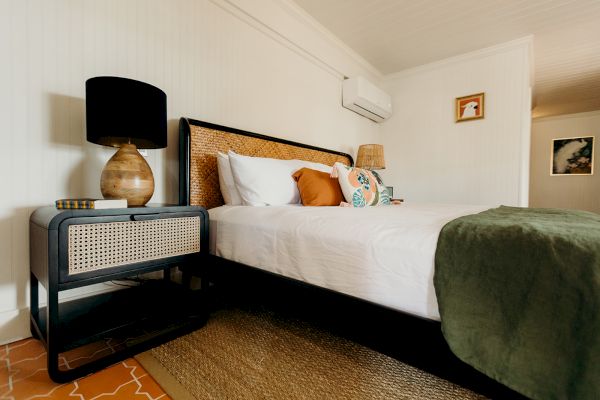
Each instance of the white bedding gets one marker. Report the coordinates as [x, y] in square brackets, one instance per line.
[381, 254]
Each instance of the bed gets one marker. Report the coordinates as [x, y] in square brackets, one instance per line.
[387, 255]
[341, 249]
[315, 245]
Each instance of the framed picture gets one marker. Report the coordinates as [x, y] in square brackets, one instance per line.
[573, 156]
[470, 107]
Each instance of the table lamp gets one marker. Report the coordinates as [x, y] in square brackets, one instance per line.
[370, 156]
[127, 114]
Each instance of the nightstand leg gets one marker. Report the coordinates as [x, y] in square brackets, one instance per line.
[34, 305]
[204, 282]
[186, 278]
[53, 334]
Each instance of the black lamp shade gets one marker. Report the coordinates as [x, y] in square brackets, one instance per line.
[121, 110]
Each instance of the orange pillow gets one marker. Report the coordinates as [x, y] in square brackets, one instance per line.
[318, 188]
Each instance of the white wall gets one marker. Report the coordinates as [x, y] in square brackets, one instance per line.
[431, 158]
[257, 65]
[575, 192]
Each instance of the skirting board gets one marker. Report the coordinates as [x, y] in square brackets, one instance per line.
[14, 325]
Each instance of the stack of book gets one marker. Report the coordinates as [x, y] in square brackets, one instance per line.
[98, 204]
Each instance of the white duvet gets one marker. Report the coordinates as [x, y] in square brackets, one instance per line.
[381, 254]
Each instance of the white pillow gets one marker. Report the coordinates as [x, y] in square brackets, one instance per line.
[313, 165]
[268, 181]
[228, 188]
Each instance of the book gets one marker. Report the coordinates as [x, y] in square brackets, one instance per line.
[97, 204]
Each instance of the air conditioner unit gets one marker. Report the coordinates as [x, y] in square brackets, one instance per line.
[361, 96]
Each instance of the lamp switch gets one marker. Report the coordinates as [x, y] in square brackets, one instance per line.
[143, 152]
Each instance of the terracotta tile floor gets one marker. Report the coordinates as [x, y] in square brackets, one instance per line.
[23, 375]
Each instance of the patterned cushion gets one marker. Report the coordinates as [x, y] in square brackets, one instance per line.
[360, 186]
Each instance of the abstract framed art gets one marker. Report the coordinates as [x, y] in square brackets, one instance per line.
[470, 107]
[572, 156]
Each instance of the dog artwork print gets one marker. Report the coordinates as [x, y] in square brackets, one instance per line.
[470, 107]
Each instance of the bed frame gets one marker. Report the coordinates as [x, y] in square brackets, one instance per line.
[411, 339]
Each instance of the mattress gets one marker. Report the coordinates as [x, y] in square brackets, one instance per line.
[384, 255]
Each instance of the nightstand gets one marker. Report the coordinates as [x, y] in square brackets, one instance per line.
[76, 248]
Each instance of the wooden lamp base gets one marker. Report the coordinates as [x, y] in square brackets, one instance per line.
[127, 175]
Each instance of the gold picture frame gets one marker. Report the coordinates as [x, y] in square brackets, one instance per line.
[470, 107]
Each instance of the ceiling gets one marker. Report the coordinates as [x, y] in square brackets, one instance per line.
[398, 34]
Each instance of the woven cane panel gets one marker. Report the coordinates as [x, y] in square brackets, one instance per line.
[94, 247]
[206, 142]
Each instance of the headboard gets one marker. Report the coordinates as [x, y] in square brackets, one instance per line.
[200, 141]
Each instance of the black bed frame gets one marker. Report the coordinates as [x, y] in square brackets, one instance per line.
[411, 339]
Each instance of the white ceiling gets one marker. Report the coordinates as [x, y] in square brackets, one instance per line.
[397, 34]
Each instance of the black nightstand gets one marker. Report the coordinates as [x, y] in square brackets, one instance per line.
[75, 248]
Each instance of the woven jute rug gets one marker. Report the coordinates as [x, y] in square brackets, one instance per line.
[260, 355]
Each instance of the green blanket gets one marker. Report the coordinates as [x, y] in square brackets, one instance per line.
[519, 298]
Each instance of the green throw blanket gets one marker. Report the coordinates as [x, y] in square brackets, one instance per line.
[519, 298]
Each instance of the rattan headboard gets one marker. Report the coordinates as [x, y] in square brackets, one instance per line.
[200, 141]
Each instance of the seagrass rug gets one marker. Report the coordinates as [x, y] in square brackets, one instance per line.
[243, 354]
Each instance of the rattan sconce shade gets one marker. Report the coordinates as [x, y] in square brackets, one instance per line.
[370, 156]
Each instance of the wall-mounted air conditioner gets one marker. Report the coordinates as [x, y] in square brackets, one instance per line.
[361, 96]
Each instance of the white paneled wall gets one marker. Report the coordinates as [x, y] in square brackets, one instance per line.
[431, 158]
[218, 61]
[580, 192]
